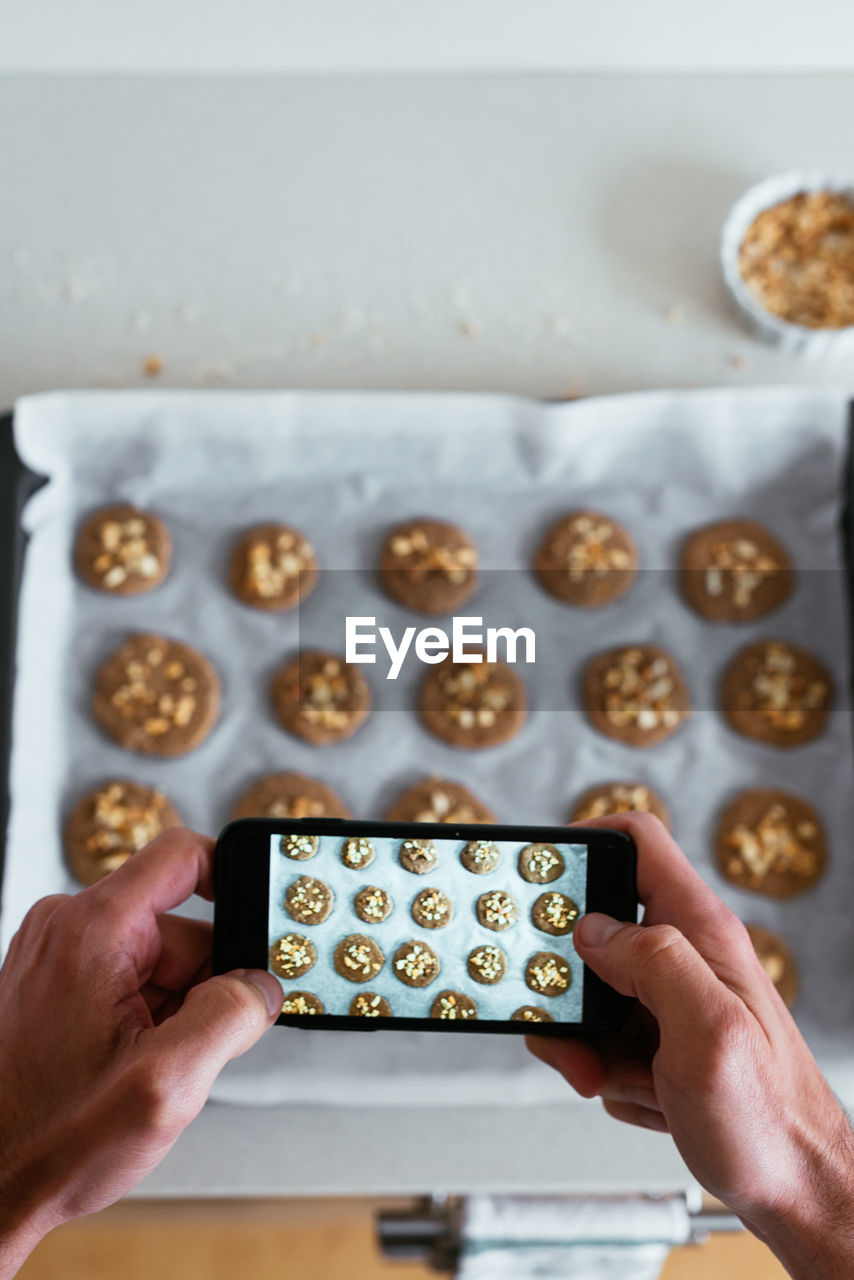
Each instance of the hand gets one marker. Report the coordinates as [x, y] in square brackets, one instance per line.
[112, 1034]
[714, 1058]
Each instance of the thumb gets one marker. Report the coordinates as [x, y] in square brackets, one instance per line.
[658, 965]
[219, 1020]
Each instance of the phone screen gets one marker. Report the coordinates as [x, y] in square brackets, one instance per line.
[382, 926]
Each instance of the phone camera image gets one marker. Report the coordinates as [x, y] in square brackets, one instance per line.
[393, 926]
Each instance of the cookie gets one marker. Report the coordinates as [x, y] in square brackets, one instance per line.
[487, 964]
[531, 1013]
[734, 571]
[548, 974]
[357, 958]
[320, 698]
[357, 853]
[299, 845]
[777, 961]
[554, 913]
[480, 857]
[372, 904]
[771, 842]
[541, 863]
[636, 694]
[497, 910]
[453, 1006]
[438, 800]
[289, 795]
[299, 1003]
[777, 693]
[292, 956]
[429, 565]
[272, 567]
[112, 822]
[367, 1004]
[308, 901]
[156, 696]
[122, 550]
[432, 909]
[418, 856]
[473, 705]
[619, 797]
[416, 964]
[586, 559]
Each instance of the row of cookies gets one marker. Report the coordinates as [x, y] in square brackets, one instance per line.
[730, 571]
[162, 697]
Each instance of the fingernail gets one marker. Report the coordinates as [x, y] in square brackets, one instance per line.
[595, 930]
[266, 985]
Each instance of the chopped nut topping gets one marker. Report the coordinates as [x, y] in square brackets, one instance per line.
[560, 911]
[427, 558]
[421, 853]
[489, 963]
[621, 798]
[373, 903]
[122, 825]
[298, 846]
[449, 1005]
[498, 909]
[307, 898]
[417, 962]
[475, 694]
[360, 959]
[291, 954]
[433, 906]
[779, 693]
[274, 561]
[595, 550]
[443, 809]
[776, 844]
[797, 259]
[127, 551]
[483, 853]
[549, 975]
[738, 567]
[298, 1004]
[640, 691]
[368, 1005]
[357, 852]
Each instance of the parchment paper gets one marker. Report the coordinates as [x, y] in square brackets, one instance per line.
[343, 467]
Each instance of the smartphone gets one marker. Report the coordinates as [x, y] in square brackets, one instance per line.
[422, 926]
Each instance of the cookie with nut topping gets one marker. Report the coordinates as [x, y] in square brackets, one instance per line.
[416, 964]
[734, 571]
[531, 1013]
[299, 845]
[487, 964]
[777, 693]
[497, 910]
[548, 974]
[481, 857]
[272, 567]
[301, 1004]
[292, 955]
[473, 705]
[308, 901]
[417, 856]
[636, 694]
[541, 863]
[112, 822]
[367, 1004]
[619, 797]
[586, 559]
[357, 852]
[122, 550]
[373, 904]
[554, 913]
[320, 698]
[432, 909]
[357, 958]
[289, 795]
[777, 960]
[453, 1006]
[429, 565]
[156, 696]
[439, 800]
[771, 842]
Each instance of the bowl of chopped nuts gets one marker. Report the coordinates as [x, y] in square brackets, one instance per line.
[787, 251]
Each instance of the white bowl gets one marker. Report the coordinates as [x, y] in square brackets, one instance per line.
[796, 338]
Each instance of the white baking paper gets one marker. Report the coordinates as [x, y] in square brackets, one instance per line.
[343, 467]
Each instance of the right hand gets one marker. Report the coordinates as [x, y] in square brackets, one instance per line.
[714, 1057]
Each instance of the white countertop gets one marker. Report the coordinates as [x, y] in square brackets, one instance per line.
[547, 236]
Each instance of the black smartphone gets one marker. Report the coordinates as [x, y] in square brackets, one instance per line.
[422, 926]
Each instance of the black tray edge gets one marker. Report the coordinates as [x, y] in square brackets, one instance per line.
[17, 484]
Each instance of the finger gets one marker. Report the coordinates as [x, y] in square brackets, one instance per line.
[658, 965]
[177, 864]
[674, 892]
[631, 1113]
[579, 1063]
[186, 947]
[219, 1020]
